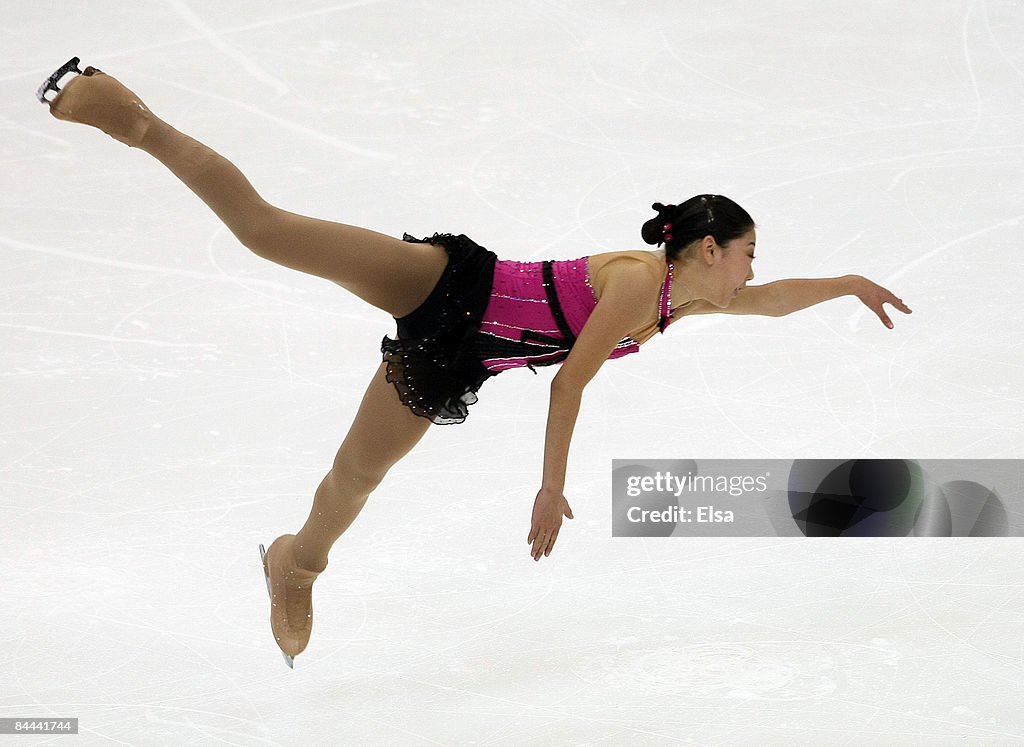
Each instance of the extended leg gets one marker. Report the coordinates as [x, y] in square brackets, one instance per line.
[384, 271]
[384, 430]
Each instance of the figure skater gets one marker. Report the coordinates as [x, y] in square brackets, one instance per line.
[462, 317]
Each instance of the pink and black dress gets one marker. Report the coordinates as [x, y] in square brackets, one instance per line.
[486, 316]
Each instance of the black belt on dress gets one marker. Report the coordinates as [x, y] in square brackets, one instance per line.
[556, 308]
[569, 339]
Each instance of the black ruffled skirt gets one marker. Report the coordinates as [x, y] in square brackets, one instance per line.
[433, 363]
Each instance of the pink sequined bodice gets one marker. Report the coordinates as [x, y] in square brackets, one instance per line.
[521, 328]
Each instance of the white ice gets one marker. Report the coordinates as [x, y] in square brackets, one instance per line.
[169, 400]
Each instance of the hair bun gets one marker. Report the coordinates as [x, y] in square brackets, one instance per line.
[652, 231]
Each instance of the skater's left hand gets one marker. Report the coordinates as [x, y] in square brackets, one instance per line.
[874, 296]
[548, 509]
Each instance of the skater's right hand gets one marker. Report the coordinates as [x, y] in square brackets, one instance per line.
[548, 509]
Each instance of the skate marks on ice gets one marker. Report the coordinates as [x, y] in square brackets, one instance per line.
[245, 62]
[727, 670]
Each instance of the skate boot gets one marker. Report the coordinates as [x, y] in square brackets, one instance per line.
[291, 597]
[96, 99]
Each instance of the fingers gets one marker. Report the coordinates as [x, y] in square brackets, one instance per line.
[543, 544]
[539, 547]
[538, 539]
[551, 543]
[890, 298]
[895, 303]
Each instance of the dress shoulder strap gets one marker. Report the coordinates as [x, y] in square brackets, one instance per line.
[665, 301]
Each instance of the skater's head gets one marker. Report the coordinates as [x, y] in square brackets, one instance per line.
[711, 241]
[682, 227]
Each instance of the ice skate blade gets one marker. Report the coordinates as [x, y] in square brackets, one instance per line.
[50, 84]
[289, 660]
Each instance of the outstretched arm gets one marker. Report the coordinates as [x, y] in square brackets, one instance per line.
[786, 296]
[794, 295]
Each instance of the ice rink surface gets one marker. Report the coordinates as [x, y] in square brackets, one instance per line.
[169, 400]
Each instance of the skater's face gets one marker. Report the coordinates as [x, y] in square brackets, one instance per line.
[732, 267]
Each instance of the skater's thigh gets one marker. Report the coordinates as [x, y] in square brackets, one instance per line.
[384, 431]
[391, 274]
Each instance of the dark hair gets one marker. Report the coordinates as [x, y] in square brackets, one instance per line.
[677, 226]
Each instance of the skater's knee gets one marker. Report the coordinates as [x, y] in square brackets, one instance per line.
[260, 230]
[356, 476]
